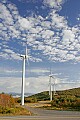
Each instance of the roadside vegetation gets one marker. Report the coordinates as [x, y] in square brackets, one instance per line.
[8, 106]
[67, 100]
[66, 103]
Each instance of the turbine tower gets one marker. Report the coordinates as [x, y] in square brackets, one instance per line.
[50, 89]
[24, 57]
[54, 90]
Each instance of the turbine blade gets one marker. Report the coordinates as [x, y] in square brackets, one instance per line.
[26, 52]
[50, 71]
[28, 60]
[27, 57]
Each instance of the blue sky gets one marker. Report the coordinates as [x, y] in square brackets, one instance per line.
[51, 30]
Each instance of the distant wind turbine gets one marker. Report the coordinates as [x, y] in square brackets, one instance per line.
[53, 84]
[50, 84]
[23, 75]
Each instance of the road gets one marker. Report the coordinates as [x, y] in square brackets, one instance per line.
[41, 114]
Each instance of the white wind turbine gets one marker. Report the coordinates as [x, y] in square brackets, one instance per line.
[54, 84]
[23, 76]
[50, 84]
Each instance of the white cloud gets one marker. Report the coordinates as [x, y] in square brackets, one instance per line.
[9, 71]
[35, 59]
[5, 15]
[39, 71]
[10, 54]
[24, 23]
[8, 30]
[51, 36]
[58, 21]
[53, 3]
[4, 55]
[68, 36]
[10, 84]
[32, 84]
[8, 51]
[47, 34]
[78, 19]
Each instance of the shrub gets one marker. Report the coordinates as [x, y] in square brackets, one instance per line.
[6, 100]
[66, 103]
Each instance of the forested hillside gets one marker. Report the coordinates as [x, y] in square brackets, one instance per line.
[45, 95]
[62, 100]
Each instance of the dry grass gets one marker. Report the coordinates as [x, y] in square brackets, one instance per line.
[14, 111]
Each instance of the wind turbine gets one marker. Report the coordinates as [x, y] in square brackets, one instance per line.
[50, 89]
[54, 90]
[23, 76]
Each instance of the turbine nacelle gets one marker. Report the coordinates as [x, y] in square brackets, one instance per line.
[51, 75]
[24, 56]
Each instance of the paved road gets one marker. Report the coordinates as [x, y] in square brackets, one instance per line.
[41, 114]
[41, 118]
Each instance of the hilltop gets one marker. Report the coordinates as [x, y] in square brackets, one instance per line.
[72, 92]
[62, 100]
[45, 95]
